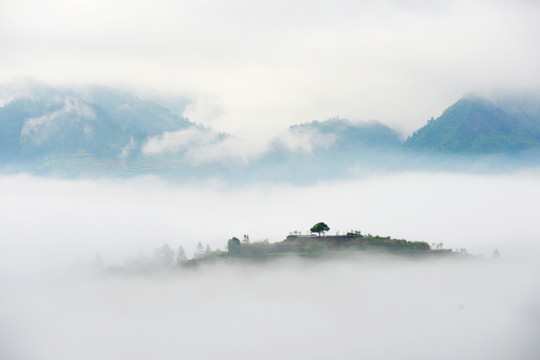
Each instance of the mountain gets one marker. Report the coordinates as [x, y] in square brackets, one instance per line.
[46, 127]
[350, 136]
[336, 138]
[477, 126]
[134, 112]
[98, 130]
[325, 149]
[32, 128]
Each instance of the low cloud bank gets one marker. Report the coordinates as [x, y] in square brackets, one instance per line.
[304, 140]
[367, 307]
[51, 221]
[199, 146]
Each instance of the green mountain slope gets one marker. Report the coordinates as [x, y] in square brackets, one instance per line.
[476, 126]
[107, 131]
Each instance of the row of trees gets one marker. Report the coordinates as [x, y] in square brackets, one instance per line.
[166, 257]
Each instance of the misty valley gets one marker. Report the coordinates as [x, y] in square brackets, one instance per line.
[121, 222]
[249, 179]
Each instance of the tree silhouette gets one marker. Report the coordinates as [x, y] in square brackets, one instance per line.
[319, 228]
[233, 245]
[199, 251]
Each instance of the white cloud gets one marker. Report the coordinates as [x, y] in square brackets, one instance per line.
[361, 308]
[305, 140]
[43, 127]
[254, 67]
[228, 150]
[13, 90]
[179, 141]
[126, 150]
[201, 146]
[369, 308]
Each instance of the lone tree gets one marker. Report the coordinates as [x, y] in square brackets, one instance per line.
[319, 228]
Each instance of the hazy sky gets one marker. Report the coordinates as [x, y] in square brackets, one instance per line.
[254, 67]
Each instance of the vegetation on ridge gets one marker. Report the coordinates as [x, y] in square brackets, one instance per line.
[295, 245]
[476, 126]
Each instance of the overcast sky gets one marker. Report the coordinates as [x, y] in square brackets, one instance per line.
[255, 67]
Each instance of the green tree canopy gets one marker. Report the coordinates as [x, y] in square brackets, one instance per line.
[233, 245]
[319, 228]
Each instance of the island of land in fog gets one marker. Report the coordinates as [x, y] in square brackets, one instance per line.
[166, 168]
[297, 246]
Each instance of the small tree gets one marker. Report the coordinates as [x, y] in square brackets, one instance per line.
[319, 228]
[233, 245]
[199, 251]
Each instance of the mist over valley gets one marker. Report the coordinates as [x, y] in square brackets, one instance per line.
[57, 304]
[269, 180]
[103, 191]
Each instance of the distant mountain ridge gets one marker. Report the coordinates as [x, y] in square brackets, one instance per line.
[106, 131]
[477, 126]
[353, 135]
[99, 121]
[326, 149]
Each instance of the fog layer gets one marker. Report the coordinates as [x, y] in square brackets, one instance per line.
[369, 308]
[51, 222]
[366, 307]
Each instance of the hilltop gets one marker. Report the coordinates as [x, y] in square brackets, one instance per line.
[293, 246]
[313, 246]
